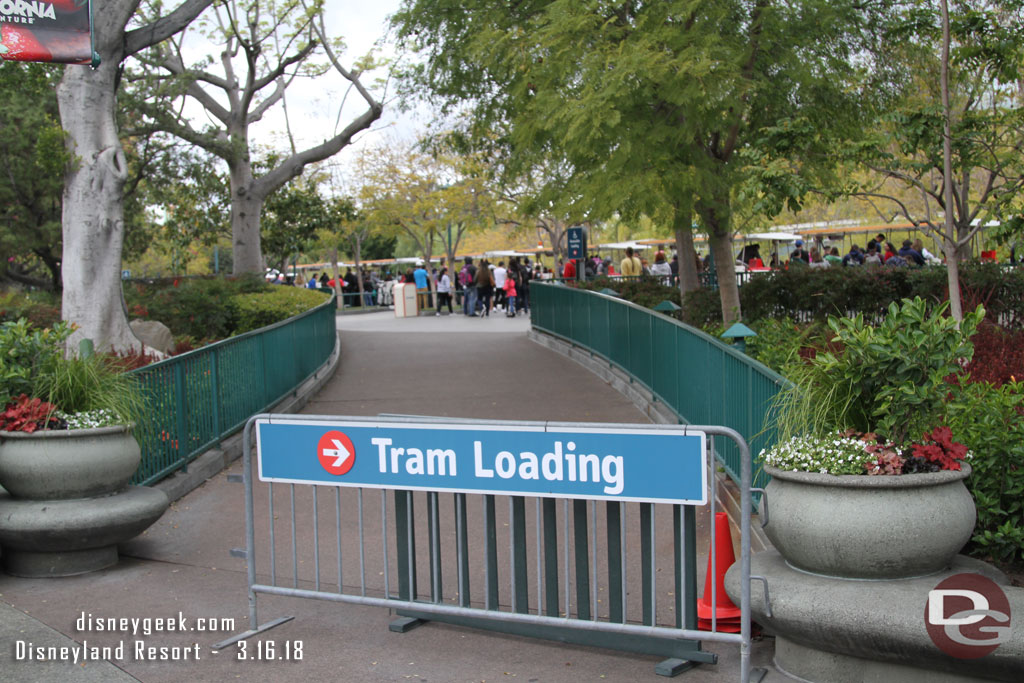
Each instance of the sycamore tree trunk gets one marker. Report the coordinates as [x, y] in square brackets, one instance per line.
[246, 207]
[93, 212]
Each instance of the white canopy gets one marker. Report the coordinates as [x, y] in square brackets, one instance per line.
[773, 236]
[623, 245]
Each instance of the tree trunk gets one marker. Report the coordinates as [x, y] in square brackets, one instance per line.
[719, 225]
[956, 309]
[688, 279]
[949, 241]
[246, 207]
[93, 212]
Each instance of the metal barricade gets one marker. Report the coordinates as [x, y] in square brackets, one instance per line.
[576, 570]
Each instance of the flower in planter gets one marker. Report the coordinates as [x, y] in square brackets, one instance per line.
[37, 380]
[26, 414]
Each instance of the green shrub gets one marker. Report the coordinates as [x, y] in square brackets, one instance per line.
[644, 291]
[196, 307]
[778, 342]
[890, 379]
[41, 309]
[816, 293]
[26, 353]
[990, 421]
[32, 362]
[252, 311]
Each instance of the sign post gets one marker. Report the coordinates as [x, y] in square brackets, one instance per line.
[577, 243]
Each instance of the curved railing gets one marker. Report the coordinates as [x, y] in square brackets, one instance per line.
[196, 399]
[701, 379]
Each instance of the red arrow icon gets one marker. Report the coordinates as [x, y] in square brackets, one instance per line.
[336, 453]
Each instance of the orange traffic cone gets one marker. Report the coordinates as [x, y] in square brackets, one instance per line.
[726, 613]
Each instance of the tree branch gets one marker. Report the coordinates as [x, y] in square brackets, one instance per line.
[293, 165]
[164, 27]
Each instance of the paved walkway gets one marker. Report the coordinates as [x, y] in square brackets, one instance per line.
[448, 366]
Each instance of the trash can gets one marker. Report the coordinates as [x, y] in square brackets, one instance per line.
[404, 295]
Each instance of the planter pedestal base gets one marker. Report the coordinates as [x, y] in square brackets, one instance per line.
[42, 538]
[833, 630]
[30, 564]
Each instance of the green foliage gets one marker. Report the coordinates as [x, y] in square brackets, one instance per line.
[196, 307]
[889, 379]
[816, 293]
[905, 146]
[778, 342]
[291, 218]
[78, 385]
[645, 291]
[40, 308]
[990, 421]
[253, 311]
[27, 353]
[33, 157]
[32, 362]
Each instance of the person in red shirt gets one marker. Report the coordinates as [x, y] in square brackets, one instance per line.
[569, 272]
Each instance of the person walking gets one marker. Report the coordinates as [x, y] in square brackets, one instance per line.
[485, 286]
[500, 273]
[510, 295]
[444, 291]
[467, 278]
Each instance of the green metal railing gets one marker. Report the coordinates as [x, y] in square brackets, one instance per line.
[196, 399]
[702, 380]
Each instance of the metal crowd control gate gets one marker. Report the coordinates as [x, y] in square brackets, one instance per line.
[575, 569]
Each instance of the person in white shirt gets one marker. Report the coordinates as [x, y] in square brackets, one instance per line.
[500, 273]
[444, 291]
[661, 268]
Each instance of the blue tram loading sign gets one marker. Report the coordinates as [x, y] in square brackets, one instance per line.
[586, 461]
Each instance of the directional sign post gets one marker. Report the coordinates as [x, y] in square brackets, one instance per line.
[585, 461]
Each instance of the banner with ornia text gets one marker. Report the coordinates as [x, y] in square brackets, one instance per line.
[46, 31]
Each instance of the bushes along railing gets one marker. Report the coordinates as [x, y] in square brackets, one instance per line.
[701, 379]
[196, 399]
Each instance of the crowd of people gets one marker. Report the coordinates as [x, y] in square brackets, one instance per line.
[483, 287]
[878, 252]
[479, 289]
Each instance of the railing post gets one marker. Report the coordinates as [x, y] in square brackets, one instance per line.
[215, 392]
[181, 409]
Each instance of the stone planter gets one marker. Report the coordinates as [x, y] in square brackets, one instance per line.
[67, 503]
[869, 527]
[62, 464]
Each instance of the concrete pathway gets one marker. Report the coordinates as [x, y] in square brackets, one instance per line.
[181, 570]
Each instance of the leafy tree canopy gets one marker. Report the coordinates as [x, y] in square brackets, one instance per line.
[33, 159]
